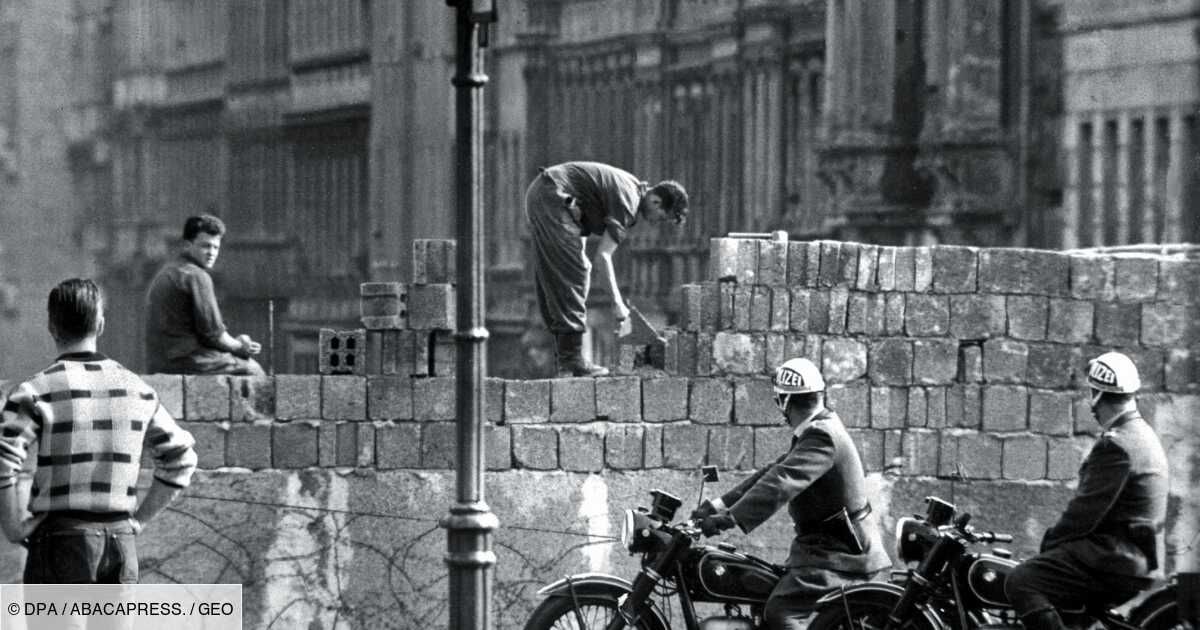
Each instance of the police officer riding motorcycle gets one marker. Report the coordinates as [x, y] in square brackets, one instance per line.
[819, 477]
[1103, 547]
[1098, 555]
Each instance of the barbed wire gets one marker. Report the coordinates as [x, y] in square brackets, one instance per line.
[399, 517]
[605, 538]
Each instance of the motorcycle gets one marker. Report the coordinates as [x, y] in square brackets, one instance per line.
[954, 588]
[674, 563]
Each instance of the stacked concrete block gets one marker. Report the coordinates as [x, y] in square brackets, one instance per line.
[384, 305]
[342, 351]
[409, 325]
[434, 261]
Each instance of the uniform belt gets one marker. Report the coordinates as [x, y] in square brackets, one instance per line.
[830, 524]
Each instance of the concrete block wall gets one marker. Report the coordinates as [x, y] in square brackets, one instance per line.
[958, 370]
[388, 422]
[956, 360]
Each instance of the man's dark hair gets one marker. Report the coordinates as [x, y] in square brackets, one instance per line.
[206, 223]
[674, 198]
[74, 309]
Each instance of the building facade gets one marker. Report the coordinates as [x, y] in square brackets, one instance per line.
[322, 131]
[42, 233]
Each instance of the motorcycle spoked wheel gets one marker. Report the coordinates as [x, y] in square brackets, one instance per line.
[558, 613]
[866, 613]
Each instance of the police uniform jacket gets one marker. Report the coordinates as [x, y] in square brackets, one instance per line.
[1121, 503]
[819, 475]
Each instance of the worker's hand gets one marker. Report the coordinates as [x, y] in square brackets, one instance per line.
[249, 346]
[621, 313]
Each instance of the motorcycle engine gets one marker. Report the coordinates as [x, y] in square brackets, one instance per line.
[726, 623]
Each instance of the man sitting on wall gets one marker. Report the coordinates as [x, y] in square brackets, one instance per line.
[184, 330]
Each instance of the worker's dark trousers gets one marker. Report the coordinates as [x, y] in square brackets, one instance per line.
[561, 268]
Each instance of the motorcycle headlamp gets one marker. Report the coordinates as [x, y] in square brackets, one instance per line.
[913, 539]
[641, 533]
[627, 529]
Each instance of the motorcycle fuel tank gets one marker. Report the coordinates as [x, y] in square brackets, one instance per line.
[986, 577]
[732, 577]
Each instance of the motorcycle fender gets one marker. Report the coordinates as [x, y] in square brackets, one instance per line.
[590, 583]
[881, 590]
[601, 584]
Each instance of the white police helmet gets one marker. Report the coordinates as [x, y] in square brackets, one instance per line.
[796, 376]
[1112, 372]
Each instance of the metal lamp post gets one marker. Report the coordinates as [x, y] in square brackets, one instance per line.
[470, 523]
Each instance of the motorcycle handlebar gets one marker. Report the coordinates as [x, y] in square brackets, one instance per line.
[991, 537]
[976, 536]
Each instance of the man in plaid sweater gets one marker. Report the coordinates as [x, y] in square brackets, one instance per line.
[86, 418]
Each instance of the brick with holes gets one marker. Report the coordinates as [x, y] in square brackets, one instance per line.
[342, 351]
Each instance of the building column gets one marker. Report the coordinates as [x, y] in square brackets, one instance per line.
[1071, 191]
[866, 161]
[1178, 171]
[966, 151]
[1152, 203]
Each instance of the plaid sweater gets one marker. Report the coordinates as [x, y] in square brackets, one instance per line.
[89, 418]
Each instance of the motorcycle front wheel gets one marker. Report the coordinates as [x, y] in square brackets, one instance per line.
[593, 613]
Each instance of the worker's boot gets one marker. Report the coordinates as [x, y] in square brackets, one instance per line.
[570, 357]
